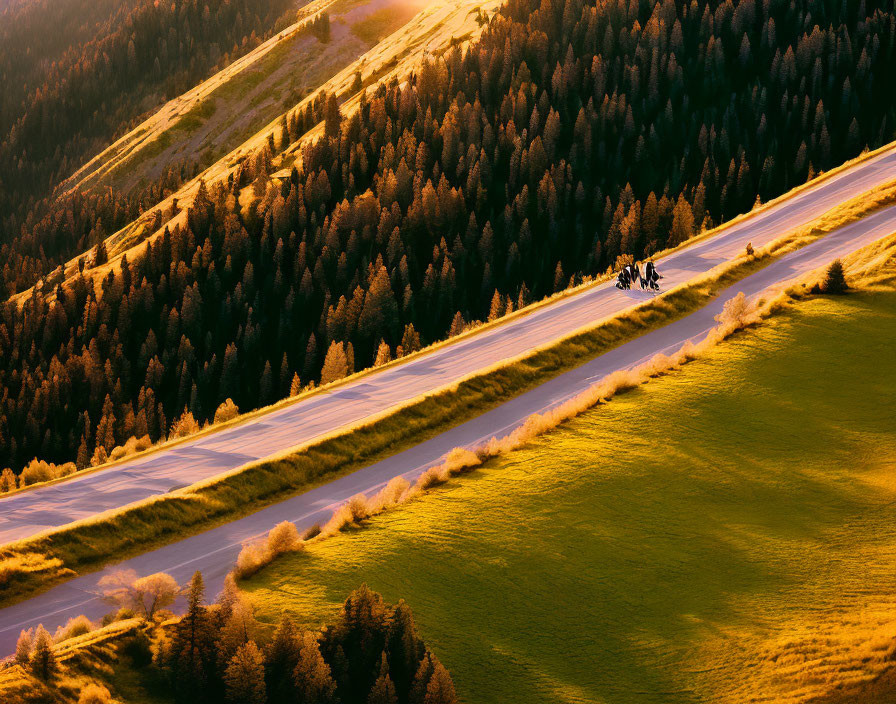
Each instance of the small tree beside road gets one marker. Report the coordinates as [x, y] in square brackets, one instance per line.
[144, 596]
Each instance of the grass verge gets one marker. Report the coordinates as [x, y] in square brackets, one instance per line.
[86, 545]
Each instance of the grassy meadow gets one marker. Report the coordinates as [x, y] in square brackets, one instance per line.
[722, 534]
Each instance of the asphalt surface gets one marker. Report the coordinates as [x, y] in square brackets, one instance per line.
[214, 552]
[28, 513]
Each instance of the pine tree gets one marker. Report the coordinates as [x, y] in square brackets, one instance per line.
[335, 364]
[229, 597]
[420, 683]
[682, 223]
[82, 459]
[192, 647]
[405, 647]
[100, 256]
[266, 384]
[43, 658]
[239, 628]
[281, 661]
[313, 681]
[458, 324]
[440, 688]
[496, 308]
[244, 676]
[383, 354]
[835, 280]
[383, 691]
[380, 311]
[559, 278]
[410, 340]
[333, 117]
[23, 648]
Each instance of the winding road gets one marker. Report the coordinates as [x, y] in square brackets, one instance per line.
[214, 551]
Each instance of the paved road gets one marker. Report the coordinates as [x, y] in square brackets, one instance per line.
[215, 551]
[84, 496]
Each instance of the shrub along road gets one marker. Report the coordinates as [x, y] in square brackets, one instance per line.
[82, 496]
[214, 551]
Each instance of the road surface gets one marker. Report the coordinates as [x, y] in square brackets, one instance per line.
[25, 514]
[214, 552]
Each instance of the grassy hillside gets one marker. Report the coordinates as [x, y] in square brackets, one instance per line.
[722, 534]
[217, 116]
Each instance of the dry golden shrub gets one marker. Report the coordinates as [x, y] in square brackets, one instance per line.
[131, 447]
[37, 471]
[282, 538]
[249, 561]
[226, 411]
[184, 426]
[77, 626]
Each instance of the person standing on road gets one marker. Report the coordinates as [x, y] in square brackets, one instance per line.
[652, 276]
[623, 282]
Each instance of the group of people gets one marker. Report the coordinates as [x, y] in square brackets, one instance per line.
[631, 274]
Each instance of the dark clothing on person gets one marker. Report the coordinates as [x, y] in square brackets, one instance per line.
[652, 276]
[623, 281]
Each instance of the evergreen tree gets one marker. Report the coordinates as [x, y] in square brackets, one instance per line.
[383, 691]
[192, 649]
[440, 689]
[336, 364]
[244, 676]
[23, 648]
[835, 280]
[313, 681]
[43, 658]
[421, 680]
[281, 661]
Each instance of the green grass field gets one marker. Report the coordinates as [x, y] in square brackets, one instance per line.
[724, 533]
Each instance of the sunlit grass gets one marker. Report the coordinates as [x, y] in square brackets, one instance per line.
[725, 533]
[383, 22]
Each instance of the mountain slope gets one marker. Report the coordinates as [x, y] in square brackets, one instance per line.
[77, 73]
[559, 140]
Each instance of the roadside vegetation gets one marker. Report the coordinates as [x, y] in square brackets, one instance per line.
[39, 562]
[721, 533]
[370, 653]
